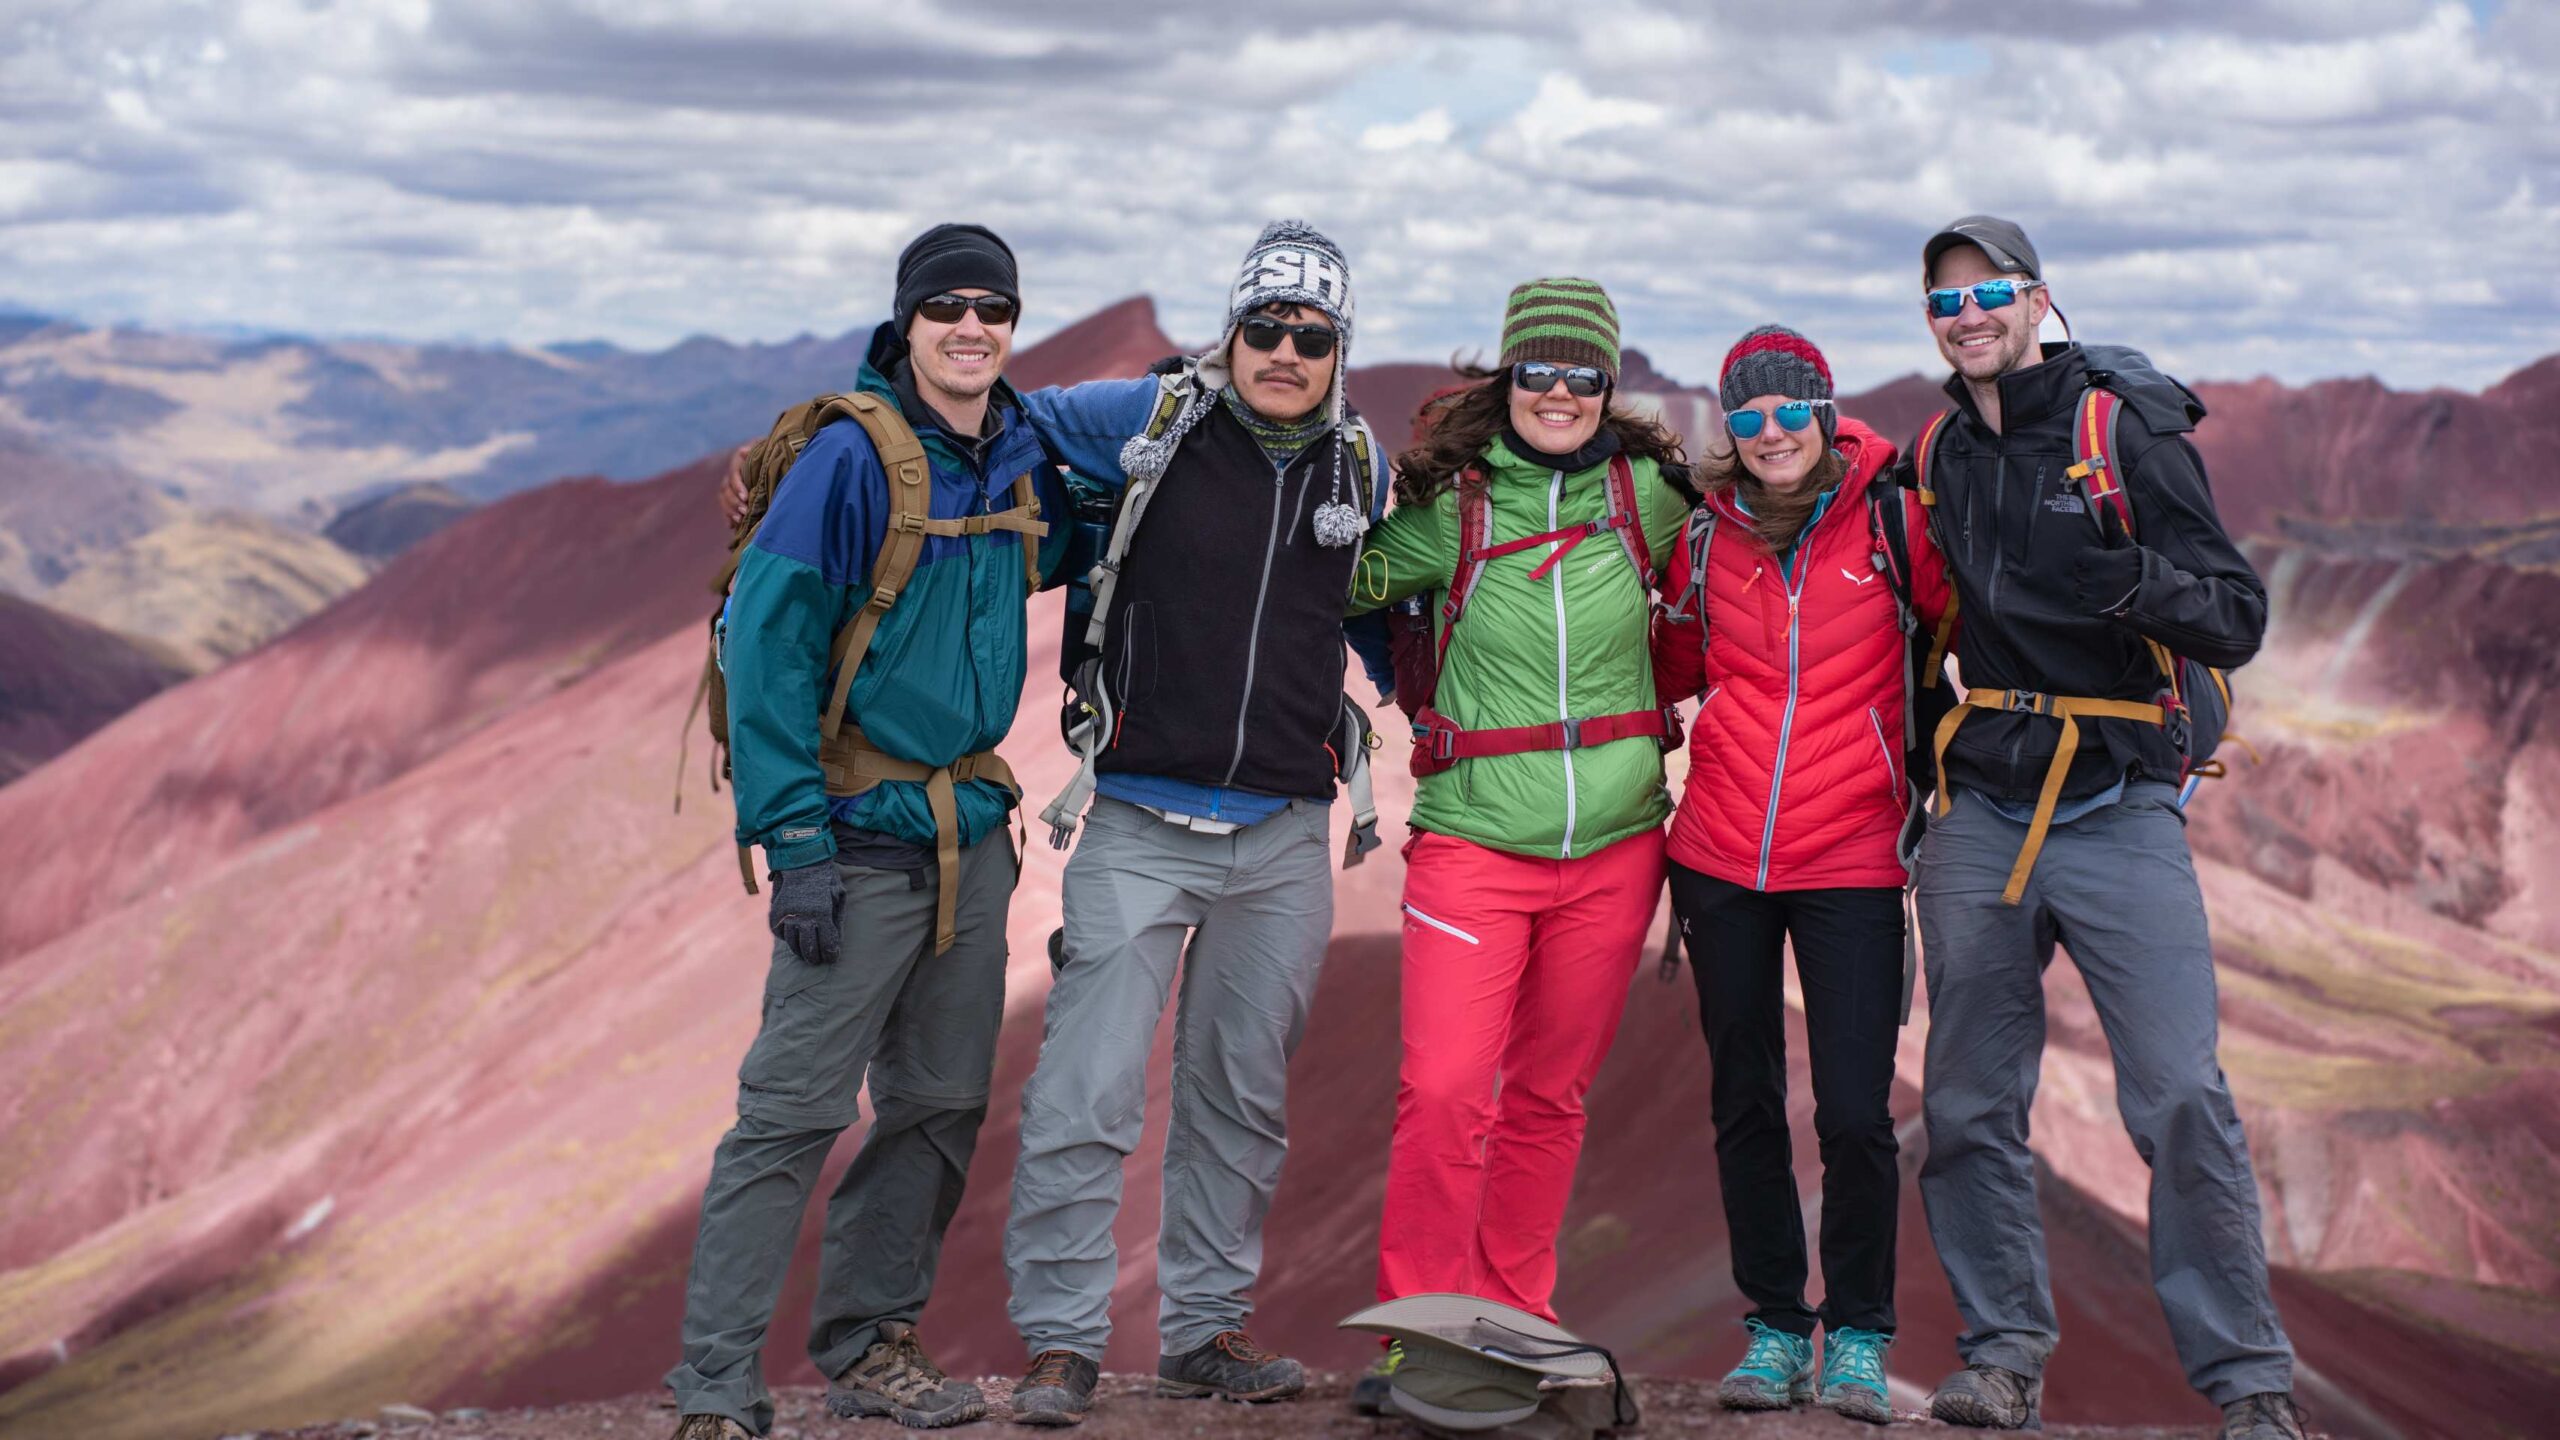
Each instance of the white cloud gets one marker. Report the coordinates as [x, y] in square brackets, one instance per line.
[1431, 127]
[2294, 186]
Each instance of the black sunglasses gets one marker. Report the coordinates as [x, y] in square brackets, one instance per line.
[947, 309]
[1539, 376]
[1313, 342]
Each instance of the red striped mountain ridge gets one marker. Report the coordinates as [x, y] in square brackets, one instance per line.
[369, 1018]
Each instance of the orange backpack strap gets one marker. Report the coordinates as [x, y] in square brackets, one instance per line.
[1923, 456]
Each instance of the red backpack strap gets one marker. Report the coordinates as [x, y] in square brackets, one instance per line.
[1626, 516]
[1475, 540]
[2093, 448]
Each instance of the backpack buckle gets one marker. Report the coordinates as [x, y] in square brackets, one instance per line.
[2028, 702]
[1444, 743]
[1572, 727]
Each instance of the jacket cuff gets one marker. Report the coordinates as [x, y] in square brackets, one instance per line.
[793, 846]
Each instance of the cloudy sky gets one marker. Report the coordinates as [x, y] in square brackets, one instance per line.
[2297, 187]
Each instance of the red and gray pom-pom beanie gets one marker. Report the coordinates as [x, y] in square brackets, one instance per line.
[1774, 360]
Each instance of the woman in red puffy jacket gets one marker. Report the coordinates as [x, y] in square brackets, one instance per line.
[1787, 831]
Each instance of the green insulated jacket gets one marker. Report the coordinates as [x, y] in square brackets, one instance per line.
[1530, 652]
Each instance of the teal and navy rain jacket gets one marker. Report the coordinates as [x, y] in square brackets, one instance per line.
[945, 670]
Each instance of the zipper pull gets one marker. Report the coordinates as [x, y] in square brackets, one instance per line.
[1791, 616]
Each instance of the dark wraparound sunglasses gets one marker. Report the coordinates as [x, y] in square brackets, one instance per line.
[1538, 377]
[1312, 342]
[947, 309]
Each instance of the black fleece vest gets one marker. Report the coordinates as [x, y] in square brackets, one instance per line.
[1224, 648]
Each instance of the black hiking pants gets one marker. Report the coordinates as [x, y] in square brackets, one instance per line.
[1848, 948]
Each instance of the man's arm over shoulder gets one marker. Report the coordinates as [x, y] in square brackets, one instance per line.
[796, 585]
[2197, 593]
[1084, 426]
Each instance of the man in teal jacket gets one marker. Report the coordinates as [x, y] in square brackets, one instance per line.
[858, 982]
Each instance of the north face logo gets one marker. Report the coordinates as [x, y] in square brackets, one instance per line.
[2065, 504]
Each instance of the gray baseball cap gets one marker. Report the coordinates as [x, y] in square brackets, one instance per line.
[2002, 241]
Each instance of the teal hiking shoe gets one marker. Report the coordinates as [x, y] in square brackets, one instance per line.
[1369, 1392]
[1853, 1374]
[1776, 1373]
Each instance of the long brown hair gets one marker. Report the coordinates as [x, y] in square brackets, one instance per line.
[1452, 431]
[1777, 517]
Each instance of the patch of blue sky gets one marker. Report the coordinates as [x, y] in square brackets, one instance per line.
[1478, 81]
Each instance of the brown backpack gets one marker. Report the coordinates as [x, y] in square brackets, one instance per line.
[852, 764]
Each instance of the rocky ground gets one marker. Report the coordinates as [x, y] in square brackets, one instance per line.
[1127, 1412]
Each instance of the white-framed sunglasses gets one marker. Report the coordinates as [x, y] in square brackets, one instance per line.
[1791, 415]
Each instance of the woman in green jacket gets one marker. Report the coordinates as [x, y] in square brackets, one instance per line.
[1537, 855]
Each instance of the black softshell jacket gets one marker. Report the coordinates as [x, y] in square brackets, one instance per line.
[2013, 525]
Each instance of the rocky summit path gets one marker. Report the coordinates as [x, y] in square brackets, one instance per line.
[1126, 1411]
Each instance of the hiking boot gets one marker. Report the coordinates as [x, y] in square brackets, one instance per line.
[1231, 1367]
[1853, 1374]
[896, 1380]
[1057, 1390]
[1369, 1392]
[1776, 1373]
[1989, 1398]
[2266, 1416]
[711, 1427]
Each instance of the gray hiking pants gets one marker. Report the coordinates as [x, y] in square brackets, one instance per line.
[1261, 900]
[924, 1028]
[2118, 888]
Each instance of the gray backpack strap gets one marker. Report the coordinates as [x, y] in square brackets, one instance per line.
[1097, 713]
[1700, 533]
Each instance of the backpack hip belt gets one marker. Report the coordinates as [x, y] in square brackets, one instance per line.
[854, 766]
[2071, 710]
[1448, 743]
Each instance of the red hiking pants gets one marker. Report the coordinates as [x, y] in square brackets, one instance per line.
[1516, 971]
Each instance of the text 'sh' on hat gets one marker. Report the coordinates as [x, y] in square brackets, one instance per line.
[2002, 241]
[1476, 1364]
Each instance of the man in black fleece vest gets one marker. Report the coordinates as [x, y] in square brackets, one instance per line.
[1207, 852]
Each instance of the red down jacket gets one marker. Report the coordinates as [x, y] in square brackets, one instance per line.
[1795, 760]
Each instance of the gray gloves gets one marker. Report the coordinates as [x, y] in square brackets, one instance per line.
[808, 911]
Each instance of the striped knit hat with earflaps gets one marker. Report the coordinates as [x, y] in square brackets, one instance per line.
[1564, 321]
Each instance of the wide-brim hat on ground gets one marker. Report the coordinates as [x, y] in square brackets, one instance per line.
[1476, 1364]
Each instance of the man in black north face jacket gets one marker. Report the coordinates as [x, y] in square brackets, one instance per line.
[2054, 605]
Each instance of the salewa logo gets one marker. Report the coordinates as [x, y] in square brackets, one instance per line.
[2066, 504]
[1855, 578]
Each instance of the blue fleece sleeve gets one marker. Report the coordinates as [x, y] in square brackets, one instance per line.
[1084, 426]
[796, 585]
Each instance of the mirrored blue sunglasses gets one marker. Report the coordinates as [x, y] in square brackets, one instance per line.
[1792, 415]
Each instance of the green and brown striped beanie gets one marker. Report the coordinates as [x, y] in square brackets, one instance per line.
[1564, 321]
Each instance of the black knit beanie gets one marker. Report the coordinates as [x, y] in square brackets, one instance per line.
[953, 257]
